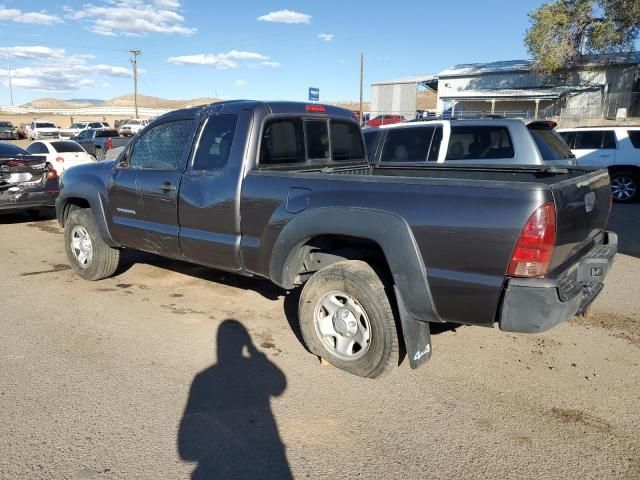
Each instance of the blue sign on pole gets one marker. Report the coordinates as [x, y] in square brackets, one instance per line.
[314, 94]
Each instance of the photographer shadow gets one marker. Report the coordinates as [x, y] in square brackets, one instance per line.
[228, 427]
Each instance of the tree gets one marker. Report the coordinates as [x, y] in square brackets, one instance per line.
[563, 31]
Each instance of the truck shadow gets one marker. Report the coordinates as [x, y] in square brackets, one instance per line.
[24, 217]
[228, 428]
[129, 258]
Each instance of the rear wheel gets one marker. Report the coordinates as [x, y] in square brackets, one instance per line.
[90, 257]
[346, 318]
[624, 186]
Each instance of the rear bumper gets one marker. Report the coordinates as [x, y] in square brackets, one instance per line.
[11, 200]
[531, 305]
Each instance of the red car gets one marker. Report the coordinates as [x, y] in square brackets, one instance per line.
[385, 120]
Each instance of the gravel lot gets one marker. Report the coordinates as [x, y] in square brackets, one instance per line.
[170, 371]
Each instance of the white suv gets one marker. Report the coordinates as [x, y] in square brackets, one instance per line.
[616, 148]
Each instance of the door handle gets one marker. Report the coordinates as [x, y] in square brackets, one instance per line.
[167, 187]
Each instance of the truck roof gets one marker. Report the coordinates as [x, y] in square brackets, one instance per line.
[270, 107]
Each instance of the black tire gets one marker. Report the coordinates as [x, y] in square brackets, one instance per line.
[104, 261]
[628, 186]
[358, 280]
[100, 155]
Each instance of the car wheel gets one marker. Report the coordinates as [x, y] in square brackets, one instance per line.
[90, 257]
[100, 154]
[624, 186]
[346, 318]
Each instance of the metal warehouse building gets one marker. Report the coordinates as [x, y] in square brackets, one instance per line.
[402, 95]
[599, 87]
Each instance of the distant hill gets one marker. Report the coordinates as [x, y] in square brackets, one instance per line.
[156, 102]
[122, 101]
[92, 101]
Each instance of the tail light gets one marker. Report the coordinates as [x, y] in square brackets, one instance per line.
[52, 174]
[59, 159]
[108, 144]
[533, 252]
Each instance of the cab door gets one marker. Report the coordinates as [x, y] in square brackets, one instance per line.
[209, 205]
[143, 193]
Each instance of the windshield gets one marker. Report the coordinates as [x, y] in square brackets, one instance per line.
[10, 150]
[133, 122]
[66, 147]
[550, 144]
[78, 125]
[45, 125]
[6, 125]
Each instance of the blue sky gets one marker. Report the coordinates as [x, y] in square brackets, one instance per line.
[245, 49]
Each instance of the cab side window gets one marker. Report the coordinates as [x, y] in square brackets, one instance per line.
[163, 147]
[215, 142]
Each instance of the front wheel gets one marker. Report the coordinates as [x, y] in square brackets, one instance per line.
[346, 318]
[90, 257]
[624, 186]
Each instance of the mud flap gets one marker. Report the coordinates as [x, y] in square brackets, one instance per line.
[417, 335]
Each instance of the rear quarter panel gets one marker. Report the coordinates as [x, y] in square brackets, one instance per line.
[466, 235]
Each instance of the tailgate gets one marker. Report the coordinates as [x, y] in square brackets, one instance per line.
[22, 171]
[582, 204]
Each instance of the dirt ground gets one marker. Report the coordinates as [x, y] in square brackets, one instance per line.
[170, 370]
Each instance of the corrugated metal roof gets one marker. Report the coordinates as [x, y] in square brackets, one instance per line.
[468, 69]
[409, 79]
[533, 93]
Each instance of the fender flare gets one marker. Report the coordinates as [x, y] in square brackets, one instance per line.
[95, 201]
[394, 236]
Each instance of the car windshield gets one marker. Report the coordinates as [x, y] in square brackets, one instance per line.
[6, 125]
[66, 147]
[45, 125]
[78, 125]
[10, 150]
[551, 144]
[133, 122]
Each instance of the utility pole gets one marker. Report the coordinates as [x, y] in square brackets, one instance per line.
[134, 60]
[361, 86]
[9, 72]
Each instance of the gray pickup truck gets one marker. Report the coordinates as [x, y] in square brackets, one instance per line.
[283, 191]
[98, 142]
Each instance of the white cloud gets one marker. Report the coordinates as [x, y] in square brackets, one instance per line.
[269, 63]
[241, 83]
[133, 17]
[285, 16]
[17, 15]
[106, 85]
[326, 37]
[53, 70]
[222, 61]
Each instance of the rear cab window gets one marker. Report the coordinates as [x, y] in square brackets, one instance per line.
[480, 142]
[107, 133]
[310, 141]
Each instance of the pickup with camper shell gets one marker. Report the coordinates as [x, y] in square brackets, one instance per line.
[284, 191]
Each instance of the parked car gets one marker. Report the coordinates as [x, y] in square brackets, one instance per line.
[283, 191]
[132, 127]
[614, 148]
[8, 131]
[97, 142]
[487, 141]
[42, 130]
[118, 123]
[74, 129]
[27, 182]
[61, 154]
[385, 120]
